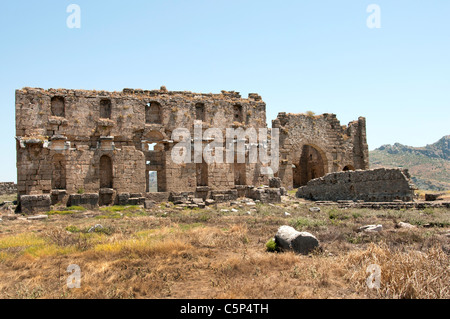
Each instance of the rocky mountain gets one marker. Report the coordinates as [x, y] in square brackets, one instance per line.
[429, 165]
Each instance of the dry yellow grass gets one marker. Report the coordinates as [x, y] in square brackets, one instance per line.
[188, 255]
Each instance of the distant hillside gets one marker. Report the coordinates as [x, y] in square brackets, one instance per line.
[429, 166]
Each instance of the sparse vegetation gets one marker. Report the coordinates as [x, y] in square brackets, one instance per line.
[8, 198]
[163, 252]
[310, 114]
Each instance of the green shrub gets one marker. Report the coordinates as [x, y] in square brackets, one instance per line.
[73, 229]
[337, 215]
[105, 230]
[272, 246]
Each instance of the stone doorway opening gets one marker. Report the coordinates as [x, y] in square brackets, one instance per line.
[152, 182]
[202, 174]
[59, 172]
[106, 172]
[154, 150]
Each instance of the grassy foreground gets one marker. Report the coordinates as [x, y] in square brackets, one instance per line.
[170, 253]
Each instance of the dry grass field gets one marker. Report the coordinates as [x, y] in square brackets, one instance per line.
[168, 253]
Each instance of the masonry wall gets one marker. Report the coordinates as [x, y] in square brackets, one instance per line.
[97, 142]
[8, 188]
[312, 146]
[62, 136]
[380, 185]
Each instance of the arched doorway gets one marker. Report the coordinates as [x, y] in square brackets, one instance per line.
[312, 165]
[106, 172]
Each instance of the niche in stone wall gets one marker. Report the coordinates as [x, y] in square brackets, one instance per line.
[153, 113]
[58, 107]
[200, 112]
[238, 116]
[105, 109]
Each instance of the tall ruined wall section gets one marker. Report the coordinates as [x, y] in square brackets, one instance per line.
[379, 185]
[83, 141]
[312, 146]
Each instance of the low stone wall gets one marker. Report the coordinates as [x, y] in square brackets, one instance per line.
[379, 185]
[8, 188]
[385, 205]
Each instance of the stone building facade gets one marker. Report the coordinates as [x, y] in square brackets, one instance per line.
[75, 142]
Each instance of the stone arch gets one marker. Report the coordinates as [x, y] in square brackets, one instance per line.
[312, 164]
[59, 172]
[58, 107]
[154, 136]
[106, 172]
[348, 168]
[153, 113]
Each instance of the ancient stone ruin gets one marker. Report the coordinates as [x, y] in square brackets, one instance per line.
[91, 148]
[312, 146]
[379, 185]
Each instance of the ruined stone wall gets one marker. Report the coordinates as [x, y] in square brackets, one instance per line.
[379, 185]
[312, 146]
[76, 141]
[73, 142]
[8, 188]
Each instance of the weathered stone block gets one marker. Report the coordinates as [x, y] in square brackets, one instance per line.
[289, 239]
[31, 204]
[275, 182]
[89, 201]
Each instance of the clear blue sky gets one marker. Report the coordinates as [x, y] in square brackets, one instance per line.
[298, 55]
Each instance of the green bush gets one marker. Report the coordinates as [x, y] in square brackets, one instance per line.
[337, 215]
[271, 245]
[73, 229]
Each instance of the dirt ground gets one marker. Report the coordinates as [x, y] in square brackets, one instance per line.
[220, 252]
